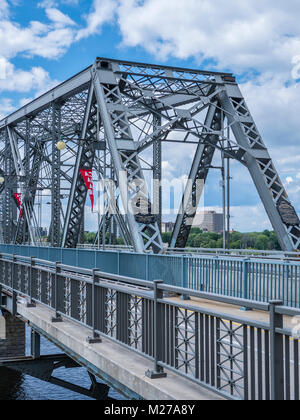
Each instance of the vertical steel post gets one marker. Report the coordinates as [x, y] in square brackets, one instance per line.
[57, 317]
[95, 338]
[8, 211]
[276, 353]
[158, 341]
[244, 285]
[14, 292]
[118, 262]
[147, 267]
[31, 303]
[228, 196]
[56, 155]
[183, 277]
[223, 199]
[157, 173]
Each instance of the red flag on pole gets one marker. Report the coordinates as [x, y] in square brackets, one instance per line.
[87, 175]
[18, 197]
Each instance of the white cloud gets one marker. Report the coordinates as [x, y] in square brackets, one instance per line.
[102, 12]
[4, 9]
[17, 80]
[240, 35]
[37, 39]
[6, 107]
[59, 18]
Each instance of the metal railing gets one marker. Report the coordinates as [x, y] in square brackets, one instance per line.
[249, 253]
[242, 253]
[236, 357]
[248, 278]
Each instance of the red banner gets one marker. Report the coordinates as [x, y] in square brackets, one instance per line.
[87, 175]
[18, 197]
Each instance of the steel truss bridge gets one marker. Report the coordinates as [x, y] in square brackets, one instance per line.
[108, 116]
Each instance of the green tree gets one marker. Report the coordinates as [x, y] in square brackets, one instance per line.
[262, 242]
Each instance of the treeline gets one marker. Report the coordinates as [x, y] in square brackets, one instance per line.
[91, 237]
[266, 240]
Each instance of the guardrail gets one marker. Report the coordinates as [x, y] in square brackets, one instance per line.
[236, 357]
[249, 253]
[242, 253]
[254, 279]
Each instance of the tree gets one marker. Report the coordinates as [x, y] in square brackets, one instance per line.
[262, 242]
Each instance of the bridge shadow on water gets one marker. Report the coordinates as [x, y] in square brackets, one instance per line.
[11, 385]
[16, 386]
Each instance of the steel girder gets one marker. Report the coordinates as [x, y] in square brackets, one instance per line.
[32, 178]
[125, 158]
[157, 172]
[130, 107]
[262, 170]
[55, 188]
[85, 160]
[9, 215]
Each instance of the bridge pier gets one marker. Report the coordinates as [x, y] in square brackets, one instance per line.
[12, 336]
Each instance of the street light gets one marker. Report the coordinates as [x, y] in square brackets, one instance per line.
[222, 168]
[61, 145]
[2, 180]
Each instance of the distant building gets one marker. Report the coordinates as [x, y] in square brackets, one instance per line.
[209, 221]
[167, 227]
[40, 231]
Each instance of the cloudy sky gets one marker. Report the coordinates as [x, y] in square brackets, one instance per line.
[42, 43]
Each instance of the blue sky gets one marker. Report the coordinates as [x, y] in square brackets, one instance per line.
[44, 42]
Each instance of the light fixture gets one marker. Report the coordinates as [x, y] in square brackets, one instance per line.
[2, 180]
[61, 145]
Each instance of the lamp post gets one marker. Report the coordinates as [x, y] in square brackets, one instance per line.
[222, 169]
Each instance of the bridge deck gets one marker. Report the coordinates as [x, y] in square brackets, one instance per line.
[117, 366]
[255, 315]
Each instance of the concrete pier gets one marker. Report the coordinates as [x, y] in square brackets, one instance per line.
[12, 336]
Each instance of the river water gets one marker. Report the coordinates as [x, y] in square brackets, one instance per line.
[15, 386]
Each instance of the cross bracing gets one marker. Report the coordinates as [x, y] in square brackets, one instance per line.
[108, 116]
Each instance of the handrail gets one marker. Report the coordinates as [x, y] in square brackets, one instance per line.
[259, 280]
[208, 346]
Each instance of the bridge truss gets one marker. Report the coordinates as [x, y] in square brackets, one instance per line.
[108, 116]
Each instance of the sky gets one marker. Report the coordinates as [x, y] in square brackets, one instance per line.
[45, 42]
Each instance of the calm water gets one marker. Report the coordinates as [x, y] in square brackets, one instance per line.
[14, 386]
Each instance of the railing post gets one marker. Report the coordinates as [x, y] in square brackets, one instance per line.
[158, 323]
[57, 317]
[95, 338]
[13, 281]
[31, 303]
[276, 353]
[245, 290]
[183, 277]
[147, 267]
[118, 262]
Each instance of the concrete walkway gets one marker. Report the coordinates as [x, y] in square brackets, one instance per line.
[232, 310]
[111, 360]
